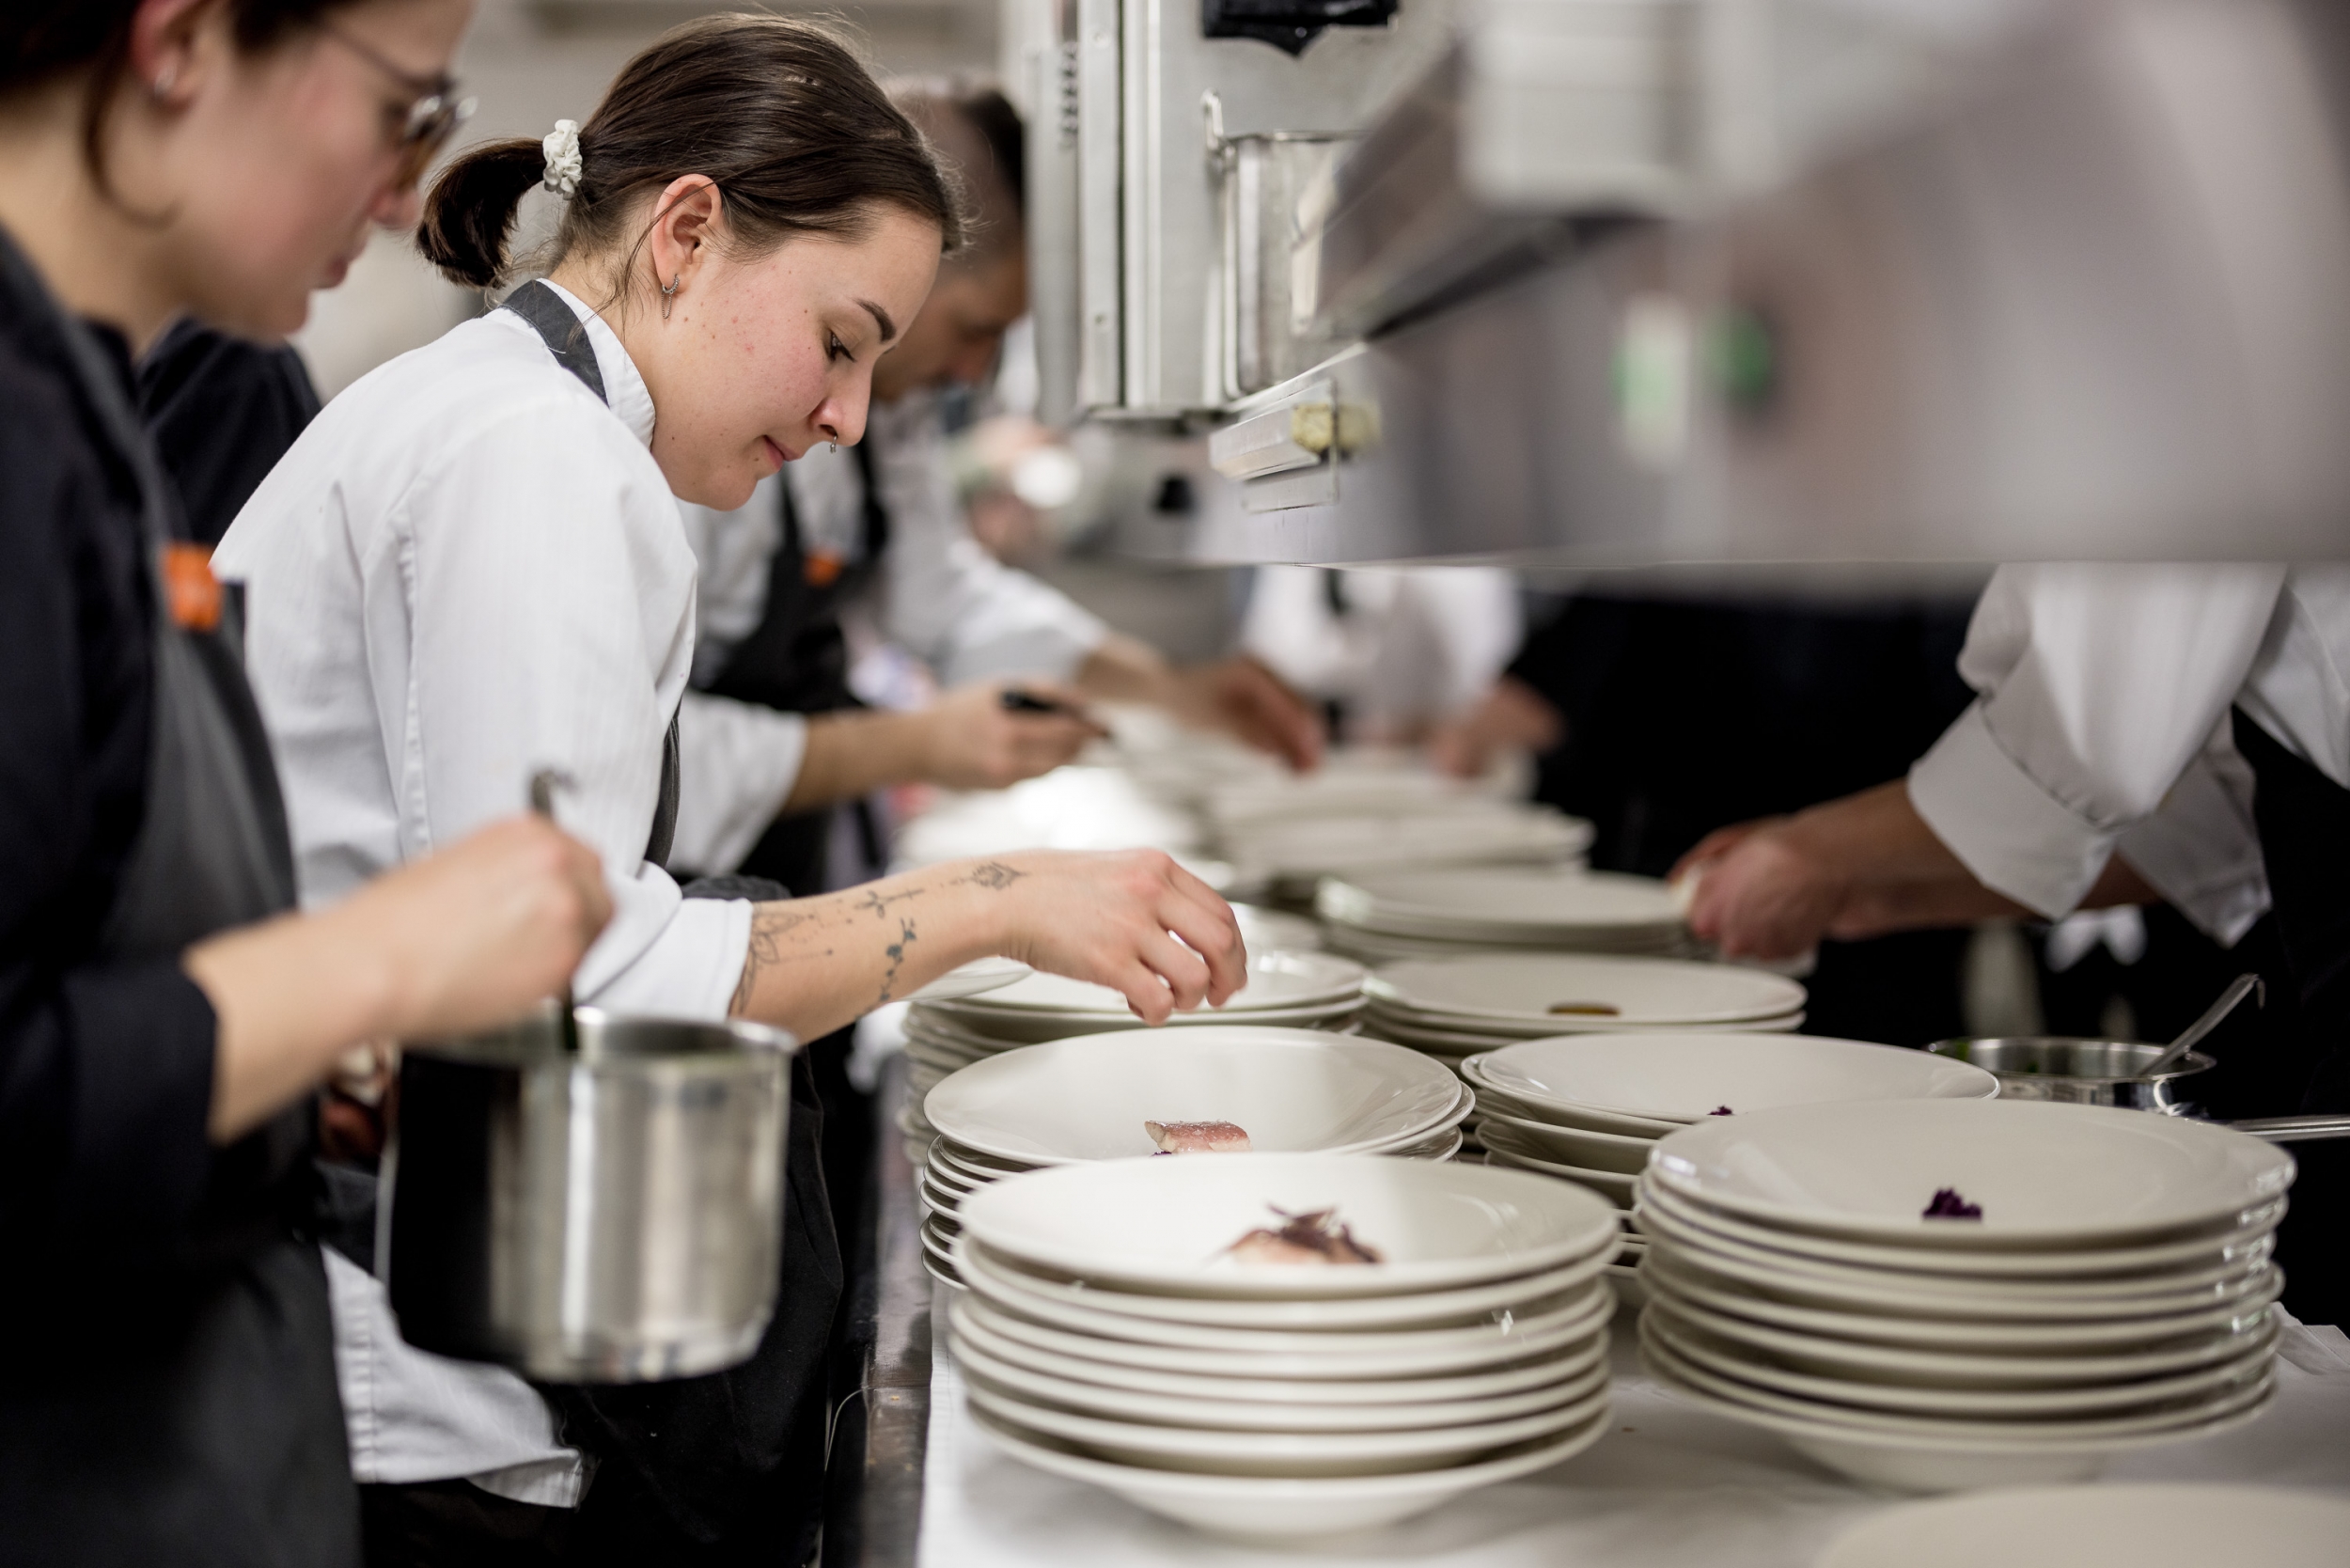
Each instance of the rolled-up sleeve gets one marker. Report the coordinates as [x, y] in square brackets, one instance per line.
[2103, 692]
[740, 762]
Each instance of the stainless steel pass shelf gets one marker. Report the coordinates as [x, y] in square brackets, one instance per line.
[2095, 305]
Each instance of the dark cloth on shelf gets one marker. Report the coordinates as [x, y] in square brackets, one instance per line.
[222, 411]
[1683, 715]
[173, 1401]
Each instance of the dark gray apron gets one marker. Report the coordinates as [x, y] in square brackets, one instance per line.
[727, 1467]
[212, 1434]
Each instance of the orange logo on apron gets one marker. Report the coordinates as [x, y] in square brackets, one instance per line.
[193, 591]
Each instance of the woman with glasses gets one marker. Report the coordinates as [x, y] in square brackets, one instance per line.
[169, 1394]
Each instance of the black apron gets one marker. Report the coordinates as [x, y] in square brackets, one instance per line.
[797, 660]
[2304, 820]
[212, 1432]
[718, 1469]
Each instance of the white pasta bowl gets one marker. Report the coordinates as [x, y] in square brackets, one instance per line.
[1276, 980]
[1169, 1225]
[1692, 1077]
[1541, 993]
[2044, 1176]
[1290, 1090]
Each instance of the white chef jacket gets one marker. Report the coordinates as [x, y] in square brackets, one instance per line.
[941, 597]
[1416, 643]
[466, 570]
[2103, 724]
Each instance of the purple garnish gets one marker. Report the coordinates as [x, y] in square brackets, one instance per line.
[1721, 1110]
[1948, 1205]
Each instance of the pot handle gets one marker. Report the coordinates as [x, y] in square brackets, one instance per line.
[2295, 1129]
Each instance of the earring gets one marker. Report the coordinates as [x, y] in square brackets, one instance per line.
[836, 446]
[668, 293]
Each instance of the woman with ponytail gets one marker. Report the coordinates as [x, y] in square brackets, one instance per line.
[471, 567]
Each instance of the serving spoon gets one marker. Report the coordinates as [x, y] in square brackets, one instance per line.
[2242, 986]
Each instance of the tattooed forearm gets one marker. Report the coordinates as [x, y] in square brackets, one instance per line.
[769, 924]
[876, 903]
[991, 875]
[897, 952]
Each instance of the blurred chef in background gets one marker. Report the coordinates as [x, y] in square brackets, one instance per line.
[2140, 731]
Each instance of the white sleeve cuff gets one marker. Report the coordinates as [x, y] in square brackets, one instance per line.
[2010, 832]
[737, 764]
[689, 971]
[2201, 850]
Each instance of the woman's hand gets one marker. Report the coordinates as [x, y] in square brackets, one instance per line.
[1106, 918]
[463, 939]
[1243, 698]
[971, 740]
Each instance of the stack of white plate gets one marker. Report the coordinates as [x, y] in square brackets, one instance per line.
[1453, 1008]
[2104, 1284]
[1446, 912]
[1285, 990]
[1078, 1101]
[1110, 1335]
[1290, 855]
[1589, 1109]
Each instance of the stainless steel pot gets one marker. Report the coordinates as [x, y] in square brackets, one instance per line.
[2079, 1072]
[614, 1216]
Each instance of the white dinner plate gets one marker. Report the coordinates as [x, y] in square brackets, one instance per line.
[1271, 1509]
[1735, 1359]
[1669, 1273]
[1533, 990]
[2045, 1175]
[1012, 1031]
[1856, 1360]
[2245, 1245]
[1397, 1393]
[1464, 904]
[1697, 1077]
[971, 980]
[2166, 1524]
[1169, 1224]
[1291, 1090]
[1449, 1360]
[1276, 980]
[1199, 1408]
[1284, 1453]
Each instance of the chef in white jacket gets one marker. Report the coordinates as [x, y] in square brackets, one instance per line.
[2141, 732]
[471, 567]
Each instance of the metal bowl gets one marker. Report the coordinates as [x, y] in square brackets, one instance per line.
[614, 1216]
[2079, 1072]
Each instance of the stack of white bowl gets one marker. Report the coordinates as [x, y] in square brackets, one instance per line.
[1455, 1007]
[1110, 1336]
[1591, 1108]
[1285, 990]
[1447, 911]
[2104, 1283]
[1075, 1101]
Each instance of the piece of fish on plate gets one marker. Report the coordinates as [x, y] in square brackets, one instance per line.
[1307, 1238]
[1197, 1137]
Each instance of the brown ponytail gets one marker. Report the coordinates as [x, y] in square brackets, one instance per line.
[797, 135]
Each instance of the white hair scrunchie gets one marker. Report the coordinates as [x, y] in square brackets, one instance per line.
[563, 162]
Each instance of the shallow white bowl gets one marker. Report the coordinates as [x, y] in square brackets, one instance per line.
[1673, 1076]
[1735, 1359]
[1200, 1409]
[1490, 1096]
[1467, 905]
[1011, 1030]
[1522, 990]
[1576, 1146]
[1282, 1510]
[1570, 1358]
[1283, 1453]
[1538, 1319]
[1290, 1089]
[2046, 1175]
[1858, 1361]
[1465, 1035]
[1276, 980]
[1167, 1225]
[2245, 1245]
[1503, 1144]
[2149, 1525]
[1351, 1314]
[1669, 1273]
[1424, 1357]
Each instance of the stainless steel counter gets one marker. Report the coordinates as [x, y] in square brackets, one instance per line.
[876, 1523]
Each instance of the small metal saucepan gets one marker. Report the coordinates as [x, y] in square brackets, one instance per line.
[613, 1215]
[2079, 1072]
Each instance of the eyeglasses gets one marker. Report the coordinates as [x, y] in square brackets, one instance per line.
[434, 110]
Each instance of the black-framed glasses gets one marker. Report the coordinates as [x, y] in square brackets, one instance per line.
[434, 110]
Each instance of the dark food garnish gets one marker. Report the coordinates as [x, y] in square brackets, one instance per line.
[1948, 1205]
[1721, 1110]
[1586, 1010]
[1309, 1238]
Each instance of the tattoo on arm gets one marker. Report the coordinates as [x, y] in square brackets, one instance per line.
[994, 874]
[897, 952]
[768, 926]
